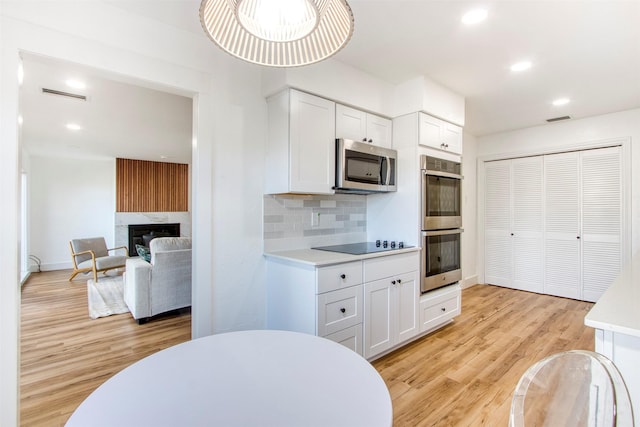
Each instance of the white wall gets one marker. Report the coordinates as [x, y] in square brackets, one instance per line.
[469, 211]
[228, 153]
[334, 80]
[568, 135]
[69, 199]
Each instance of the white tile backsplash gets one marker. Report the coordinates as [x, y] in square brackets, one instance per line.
[288, 224]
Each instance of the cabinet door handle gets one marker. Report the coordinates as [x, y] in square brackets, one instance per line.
[343, 310]
[443, 309]
[370, 140]
[577, 237]
[343, 276]
[393, 282]
[399, 280]
[364, 139]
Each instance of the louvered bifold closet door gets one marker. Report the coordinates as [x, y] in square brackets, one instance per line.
[527, 223]
[497, 223]
[601, 220]
[562, 225]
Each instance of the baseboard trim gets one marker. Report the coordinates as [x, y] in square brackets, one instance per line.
[470, 281]
[53, 266]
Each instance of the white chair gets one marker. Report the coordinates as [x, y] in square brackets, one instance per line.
[92, 255]
[572, 388]
[162, 285]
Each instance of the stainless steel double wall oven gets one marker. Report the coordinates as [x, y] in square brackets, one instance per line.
[441, 222]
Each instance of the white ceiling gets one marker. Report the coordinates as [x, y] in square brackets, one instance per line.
[588, 51]
[120, 118]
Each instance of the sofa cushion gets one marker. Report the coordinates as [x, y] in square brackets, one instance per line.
[169, 244]
[144, 252]
[104, 263]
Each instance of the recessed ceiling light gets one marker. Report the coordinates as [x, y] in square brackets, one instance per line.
[561, 101]
[521, 66]
[76, 84]
[73, 126]
[474, 16]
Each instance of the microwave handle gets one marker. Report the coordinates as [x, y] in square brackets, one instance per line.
[388, 177]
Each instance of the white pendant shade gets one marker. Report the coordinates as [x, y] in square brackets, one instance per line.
[278, 33]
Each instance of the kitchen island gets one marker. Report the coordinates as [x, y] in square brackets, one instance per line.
[616, 319]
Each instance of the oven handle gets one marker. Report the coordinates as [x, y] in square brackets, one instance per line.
[442, 174]
[442, 232]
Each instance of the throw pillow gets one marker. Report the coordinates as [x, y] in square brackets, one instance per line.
[144, 252]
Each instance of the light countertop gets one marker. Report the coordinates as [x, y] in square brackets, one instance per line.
[618, 309]
[318, 258]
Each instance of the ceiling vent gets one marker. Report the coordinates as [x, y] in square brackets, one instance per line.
[67, 94]
[557, 119]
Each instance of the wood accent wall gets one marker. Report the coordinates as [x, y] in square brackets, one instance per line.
[145, 186]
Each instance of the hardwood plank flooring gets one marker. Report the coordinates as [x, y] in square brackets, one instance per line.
[65, 354]
[461, 375]
[464, 374]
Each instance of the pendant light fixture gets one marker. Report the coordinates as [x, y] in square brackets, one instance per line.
[278, 33]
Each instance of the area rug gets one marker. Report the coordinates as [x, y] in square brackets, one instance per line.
[106, 297]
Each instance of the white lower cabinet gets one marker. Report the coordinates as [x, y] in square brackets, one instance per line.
[369, 306]
[439, 307]
[391, 293]
[350, 338]
[323, 301]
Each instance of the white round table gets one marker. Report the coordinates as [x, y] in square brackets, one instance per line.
[248, 378]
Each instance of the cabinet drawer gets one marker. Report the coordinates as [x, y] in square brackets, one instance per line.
[350, 337]
[339, 276]
[339, 309]
[435, 311]
[391, 265]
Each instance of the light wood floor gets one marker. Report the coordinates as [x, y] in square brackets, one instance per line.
[461, 375]
[465, 373]
[65, 355]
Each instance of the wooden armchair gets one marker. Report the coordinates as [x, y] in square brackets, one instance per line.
[92, 255]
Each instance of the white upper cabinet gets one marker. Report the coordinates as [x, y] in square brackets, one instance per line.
[301, 144]
[439, 134]
[362, 126]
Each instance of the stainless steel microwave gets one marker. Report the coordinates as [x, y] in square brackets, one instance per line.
[364, 168]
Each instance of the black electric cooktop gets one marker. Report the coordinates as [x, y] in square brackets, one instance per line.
[359, 248]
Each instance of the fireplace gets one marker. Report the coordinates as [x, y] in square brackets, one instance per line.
[140, 234]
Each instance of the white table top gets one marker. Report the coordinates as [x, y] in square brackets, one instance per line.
[249, 378]
[618, 309]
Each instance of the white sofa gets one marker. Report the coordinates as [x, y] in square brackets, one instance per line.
[162, 285]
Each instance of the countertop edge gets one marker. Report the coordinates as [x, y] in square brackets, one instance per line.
[319, 258]
[618, 307]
